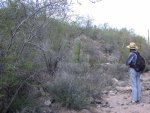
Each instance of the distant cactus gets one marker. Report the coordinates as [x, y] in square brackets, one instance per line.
[76, 51]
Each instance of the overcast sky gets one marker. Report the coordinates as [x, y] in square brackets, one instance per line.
[132, 14]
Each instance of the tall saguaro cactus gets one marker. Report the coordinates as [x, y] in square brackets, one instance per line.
[76, 51]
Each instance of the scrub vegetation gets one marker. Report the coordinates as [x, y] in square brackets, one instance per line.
[43, 54]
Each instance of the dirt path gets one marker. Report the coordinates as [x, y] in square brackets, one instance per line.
[119, 101]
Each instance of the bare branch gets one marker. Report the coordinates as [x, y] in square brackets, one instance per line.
[28, 17]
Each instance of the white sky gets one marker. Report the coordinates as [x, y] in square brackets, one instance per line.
[130, 14]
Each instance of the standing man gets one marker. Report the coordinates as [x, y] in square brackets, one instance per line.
[133, 73]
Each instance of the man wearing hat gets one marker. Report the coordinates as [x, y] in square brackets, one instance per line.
[134, 75]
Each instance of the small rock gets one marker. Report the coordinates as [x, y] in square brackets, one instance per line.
[112, 93]
[146, 86]
[98, 106]
[85, 111]
[122, 104]
[118, 103]
[98, 101]
[114, 81]
[142, 104]
[105, 104]
[47, 102]
[125, 97]
[125, 107]
[45, 110]
[123, 89]
[105, 92]
[111, 107]
[108, 111]
[122, 84]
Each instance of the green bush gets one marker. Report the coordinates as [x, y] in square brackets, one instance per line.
[23, 100]
[76, 51]
[70, 92]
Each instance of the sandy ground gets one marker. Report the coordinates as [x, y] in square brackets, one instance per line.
[120, 101]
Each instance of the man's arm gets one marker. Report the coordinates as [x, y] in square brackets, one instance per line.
[130, 59]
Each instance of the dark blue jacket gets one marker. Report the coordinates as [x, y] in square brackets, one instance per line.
[131, 59]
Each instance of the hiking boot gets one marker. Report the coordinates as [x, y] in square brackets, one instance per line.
[133, 102]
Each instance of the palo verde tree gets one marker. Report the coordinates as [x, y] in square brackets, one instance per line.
[22, 37]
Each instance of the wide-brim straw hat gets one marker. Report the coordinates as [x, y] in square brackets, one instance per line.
[132, 45]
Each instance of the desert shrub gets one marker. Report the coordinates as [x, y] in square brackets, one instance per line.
[124, 55]
[146, 56]
[118, 71]
[107, 48]
[97, 81]
[71, 92]
[69, 86]
[24, 99]
[75, 83]
[20, 102]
